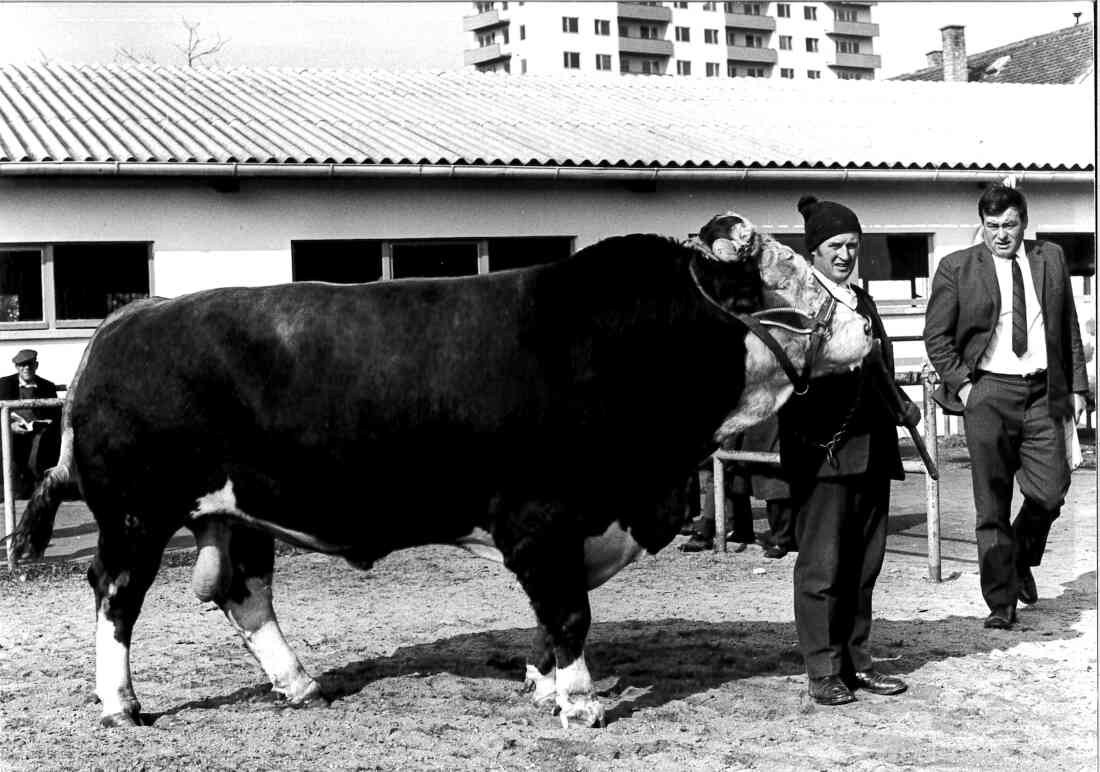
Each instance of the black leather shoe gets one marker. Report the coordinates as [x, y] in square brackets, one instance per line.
[775, 552]
[1001, 618]
[1026, 590]
[876, 682]
[697, 543]
[830, 690]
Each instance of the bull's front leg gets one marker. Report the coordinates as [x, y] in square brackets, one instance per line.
[551, 568]
[541, 676]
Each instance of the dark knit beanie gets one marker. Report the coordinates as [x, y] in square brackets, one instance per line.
[825, 219]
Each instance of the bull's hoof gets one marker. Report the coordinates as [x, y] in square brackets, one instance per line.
[121, 719]
[543, 688]
[582, 711]
[312, 697]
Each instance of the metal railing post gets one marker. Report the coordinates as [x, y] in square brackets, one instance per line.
[719, 478]
[931, 487]
[9, 498]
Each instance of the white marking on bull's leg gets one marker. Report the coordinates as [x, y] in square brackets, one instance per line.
[254, 618]
[480, 542]
[576, 695]
[607, 554]
[113, 684]
[544, 687]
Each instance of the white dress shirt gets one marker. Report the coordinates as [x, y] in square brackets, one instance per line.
[999, 357]
[842, 292]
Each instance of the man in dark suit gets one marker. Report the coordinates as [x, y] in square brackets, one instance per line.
[1001, 330]
[36, 432]
[838, 445]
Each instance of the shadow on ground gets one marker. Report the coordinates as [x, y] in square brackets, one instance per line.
[660, 661]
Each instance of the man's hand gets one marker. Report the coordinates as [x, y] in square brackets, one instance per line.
[964, 392]
[911, 416]
[1079, 406]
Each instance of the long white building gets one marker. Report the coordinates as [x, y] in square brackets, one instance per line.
[794, 41]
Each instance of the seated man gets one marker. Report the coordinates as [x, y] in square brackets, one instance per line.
[36, 432]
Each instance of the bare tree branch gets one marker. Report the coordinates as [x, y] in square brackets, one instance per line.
[197, 47]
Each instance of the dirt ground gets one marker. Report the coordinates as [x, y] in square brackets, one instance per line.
[696, 656]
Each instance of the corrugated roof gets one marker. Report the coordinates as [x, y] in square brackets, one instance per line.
[280, 117]
[1063, 56]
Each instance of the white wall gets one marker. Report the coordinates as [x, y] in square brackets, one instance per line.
[203, 238]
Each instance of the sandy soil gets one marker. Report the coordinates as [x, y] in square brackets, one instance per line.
[696, 656]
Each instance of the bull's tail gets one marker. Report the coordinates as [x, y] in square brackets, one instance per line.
[35, 529]
[31, 537]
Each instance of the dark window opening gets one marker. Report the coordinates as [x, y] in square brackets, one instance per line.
[92, 280]
[1080, 252]
[434, 259]
[21, 285]
[349, 261]
[505, 253]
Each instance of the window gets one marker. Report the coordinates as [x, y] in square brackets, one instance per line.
[603, 27]
[811, 45]
[713, 69]
[504, 36]
[846, 14]
[683, 34]
[651, 67]
[352, 261]
[486, 39]
[751, 9]
[506, 65]
[648, 32]
[483, 7]
[603, 61]
[809, 13]
[784, 42]
[679, 5]
[783, 10]
[848, 75]
[710, 6]
[523, 66]
[731, 38]
[847, 46]
[710, 36]
[813, 74]
[1080, 252]
[755, 72]
[523, 32]
[70, 285]
[624, 63]
[786, 72]
[895, 257]
[683, 67]
[754, 41]
[731, 68]
[570, 24]
[571, 60]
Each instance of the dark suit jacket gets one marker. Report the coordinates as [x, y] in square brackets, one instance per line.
[9, 389]
[962, 314]
[851, 402]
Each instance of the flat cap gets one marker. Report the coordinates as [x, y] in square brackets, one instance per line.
[26, 356]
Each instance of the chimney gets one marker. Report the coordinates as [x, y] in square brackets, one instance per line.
[935, 59]
[954, 53]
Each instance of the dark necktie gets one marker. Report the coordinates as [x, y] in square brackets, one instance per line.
[1019, 311]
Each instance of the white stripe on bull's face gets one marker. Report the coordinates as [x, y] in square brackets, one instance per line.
[788, 281]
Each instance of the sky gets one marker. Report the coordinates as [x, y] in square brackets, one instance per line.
[417, 35]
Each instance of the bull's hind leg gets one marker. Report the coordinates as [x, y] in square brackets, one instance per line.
[246, 600]
[124, 567]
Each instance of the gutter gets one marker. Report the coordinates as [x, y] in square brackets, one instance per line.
[553, 173]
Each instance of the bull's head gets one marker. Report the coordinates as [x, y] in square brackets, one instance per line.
[816, 334]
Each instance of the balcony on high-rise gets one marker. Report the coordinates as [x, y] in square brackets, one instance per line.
[484, 54]
[482, 21]
[856, 29]
[751, 54]
[645, 46]
[856, 61]
[750, 21]
[644, 12]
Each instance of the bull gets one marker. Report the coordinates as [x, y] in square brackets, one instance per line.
[568, 403]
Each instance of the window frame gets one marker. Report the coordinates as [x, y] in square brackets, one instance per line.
[812, 45]
[50, 323]
[683, 34]
[783, 10]
[571, 25]
[568, 57]
[809, 13]
[710, 36]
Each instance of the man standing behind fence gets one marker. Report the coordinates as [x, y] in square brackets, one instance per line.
[36, 432]
[1001, 331]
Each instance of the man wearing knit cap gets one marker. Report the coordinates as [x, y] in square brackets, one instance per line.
[1001, 330]
[36, 435]
[839, 450]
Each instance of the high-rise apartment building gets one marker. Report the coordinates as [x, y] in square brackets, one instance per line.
[799, 41]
